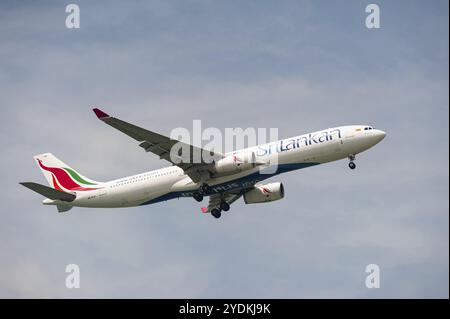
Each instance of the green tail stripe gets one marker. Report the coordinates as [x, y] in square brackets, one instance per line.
[77, 177]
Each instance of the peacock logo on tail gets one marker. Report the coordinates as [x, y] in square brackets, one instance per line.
[68, 179]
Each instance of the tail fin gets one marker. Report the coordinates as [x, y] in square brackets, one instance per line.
[61, 176]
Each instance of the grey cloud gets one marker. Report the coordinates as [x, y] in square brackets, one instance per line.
[298, 66]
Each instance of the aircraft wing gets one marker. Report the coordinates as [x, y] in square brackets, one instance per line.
[161, 145]
[215, 199]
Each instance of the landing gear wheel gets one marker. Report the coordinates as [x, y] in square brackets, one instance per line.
[216, 213]
[198, 197]
[225, 206]
[351, 158]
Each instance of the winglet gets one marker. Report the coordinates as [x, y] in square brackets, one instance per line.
[100, 114]
[204, 209]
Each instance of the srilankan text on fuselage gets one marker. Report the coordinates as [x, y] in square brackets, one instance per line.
[298, 142]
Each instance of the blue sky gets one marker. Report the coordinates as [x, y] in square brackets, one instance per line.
[299, 66]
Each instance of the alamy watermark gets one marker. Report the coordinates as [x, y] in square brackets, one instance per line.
[373, 17]
[73, 17]
[73, 277]
[210, 142]
[373, 279]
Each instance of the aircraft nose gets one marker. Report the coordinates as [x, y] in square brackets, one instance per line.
[380, 135]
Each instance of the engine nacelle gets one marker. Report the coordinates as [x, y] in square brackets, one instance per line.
[235, 163]
[264, 193]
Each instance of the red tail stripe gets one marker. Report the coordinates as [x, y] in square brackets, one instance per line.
[63, 178]
[55, 184]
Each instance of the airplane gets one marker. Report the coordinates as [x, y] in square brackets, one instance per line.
[224, 179]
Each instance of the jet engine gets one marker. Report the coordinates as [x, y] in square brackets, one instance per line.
[264, 193]
[235, 163]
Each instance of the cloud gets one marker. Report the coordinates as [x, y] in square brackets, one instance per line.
[296, 67]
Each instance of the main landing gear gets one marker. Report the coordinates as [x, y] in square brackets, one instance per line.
[203, 190]
[198, 197]
[224, 206]
[217, 212]
[352, 164]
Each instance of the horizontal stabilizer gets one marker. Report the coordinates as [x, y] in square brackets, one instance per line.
[49, 192]
[63, 208]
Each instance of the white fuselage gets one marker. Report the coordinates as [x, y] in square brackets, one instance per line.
[288, 154]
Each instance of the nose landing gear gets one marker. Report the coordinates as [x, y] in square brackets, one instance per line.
[352, 165]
